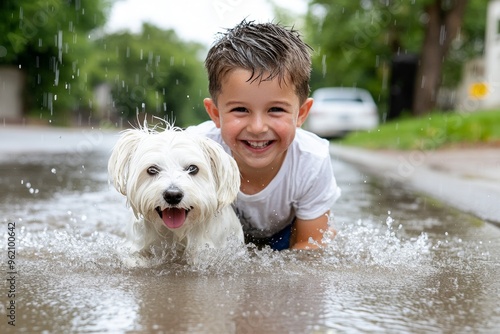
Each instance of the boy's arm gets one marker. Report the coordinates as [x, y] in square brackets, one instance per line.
[313, 228]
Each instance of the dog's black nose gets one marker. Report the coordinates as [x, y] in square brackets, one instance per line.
[173, 195]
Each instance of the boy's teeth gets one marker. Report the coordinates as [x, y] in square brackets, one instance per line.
[258, 144]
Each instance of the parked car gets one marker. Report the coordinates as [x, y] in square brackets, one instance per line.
[339, 110]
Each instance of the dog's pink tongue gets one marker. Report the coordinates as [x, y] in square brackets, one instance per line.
[174, 218]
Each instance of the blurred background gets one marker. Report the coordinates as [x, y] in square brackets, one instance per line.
[104, 62]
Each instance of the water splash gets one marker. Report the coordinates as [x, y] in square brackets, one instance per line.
[69, 250]
[368, 243]
[364, 244]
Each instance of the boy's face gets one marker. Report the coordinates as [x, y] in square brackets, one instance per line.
[257, 119]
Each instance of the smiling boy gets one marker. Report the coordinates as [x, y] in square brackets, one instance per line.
[259, 87]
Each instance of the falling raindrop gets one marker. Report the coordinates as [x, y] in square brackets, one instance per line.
[59, 45]
[323, 65]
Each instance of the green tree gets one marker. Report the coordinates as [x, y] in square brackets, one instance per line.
[152, 72]
[48, 40]
[357, 40]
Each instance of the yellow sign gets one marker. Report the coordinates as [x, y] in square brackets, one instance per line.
[478, 90]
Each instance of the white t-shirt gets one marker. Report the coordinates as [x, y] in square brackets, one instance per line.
[304, 187]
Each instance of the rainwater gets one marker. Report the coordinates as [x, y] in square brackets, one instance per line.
[401, 262]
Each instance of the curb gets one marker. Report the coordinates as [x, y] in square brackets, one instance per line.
[475, 195]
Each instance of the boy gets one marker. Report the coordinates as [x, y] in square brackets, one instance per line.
[259, 87]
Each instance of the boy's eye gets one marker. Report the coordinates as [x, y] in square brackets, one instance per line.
[239, 109]
[276, 109]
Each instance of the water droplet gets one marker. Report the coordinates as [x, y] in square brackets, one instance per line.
[389, 222]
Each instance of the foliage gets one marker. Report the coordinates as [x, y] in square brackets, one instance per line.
[355, 41]
[432, 131]
[48, 40]
[154, 73]
[64, 54]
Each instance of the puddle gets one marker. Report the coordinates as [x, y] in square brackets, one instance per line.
[400, 263]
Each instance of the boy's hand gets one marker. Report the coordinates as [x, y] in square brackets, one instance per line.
[314, 229]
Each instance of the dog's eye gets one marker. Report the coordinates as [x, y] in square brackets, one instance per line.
[192, 169]
[153, 170]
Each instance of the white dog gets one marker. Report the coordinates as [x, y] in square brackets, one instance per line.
[180, 188]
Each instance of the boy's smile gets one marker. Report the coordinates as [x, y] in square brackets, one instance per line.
[258, 145]
[257, 119]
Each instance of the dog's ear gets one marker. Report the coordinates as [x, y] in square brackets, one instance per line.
[225, 171]
[119, 161]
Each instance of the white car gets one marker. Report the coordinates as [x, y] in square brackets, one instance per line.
[339, 110]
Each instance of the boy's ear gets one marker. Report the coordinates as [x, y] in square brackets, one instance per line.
[212, 111]
[304, 111]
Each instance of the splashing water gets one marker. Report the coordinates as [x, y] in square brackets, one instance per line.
[365, 244]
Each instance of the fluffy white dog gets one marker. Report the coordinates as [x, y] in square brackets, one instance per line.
[180, 188]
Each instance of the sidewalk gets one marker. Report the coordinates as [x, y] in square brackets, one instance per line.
[16, 139]
[467, 179]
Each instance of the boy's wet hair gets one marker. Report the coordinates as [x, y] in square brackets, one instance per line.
[267, 50]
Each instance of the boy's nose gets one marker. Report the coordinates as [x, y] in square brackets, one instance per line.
[257, 124]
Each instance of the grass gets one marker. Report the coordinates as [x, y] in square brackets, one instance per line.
[436, 130]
